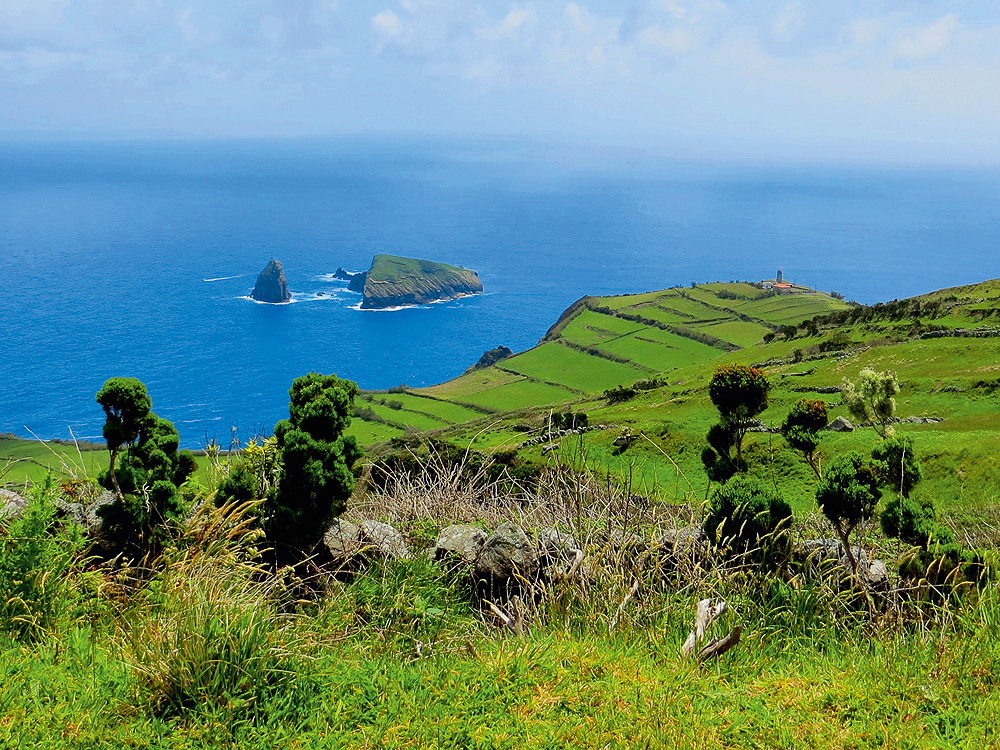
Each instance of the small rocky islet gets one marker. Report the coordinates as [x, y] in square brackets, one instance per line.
[272, 287]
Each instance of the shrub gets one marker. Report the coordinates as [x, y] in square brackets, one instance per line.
[747, 516]
[871, 399]
[848, 494]
[214, 630]
[315, 457]
[944, 565]
[620, 394]
[740, 393]
[801, 429]
[912, 522]
[146, 476]
[899, 467]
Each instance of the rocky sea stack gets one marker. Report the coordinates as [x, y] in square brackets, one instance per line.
[271, 285]
[394, 281]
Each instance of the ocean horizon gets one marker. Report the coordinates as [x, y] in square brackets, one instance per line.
[137, 259]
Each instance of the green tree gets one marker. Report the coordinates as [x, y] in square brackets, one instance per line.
[748, 517]
[871, 399]
[740, 393]
[315, 459]
[145, 468]
[126, 410]
[801, 430]
[847, 494]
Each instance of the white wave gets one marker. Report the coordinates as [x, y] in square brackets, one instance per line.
[332, 279]
[258, 302]
[411, 307]
[226, 278]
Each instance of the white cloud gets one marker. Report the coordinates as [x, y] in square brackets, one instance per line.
[515, 20]
[387, 24]
[928, 41]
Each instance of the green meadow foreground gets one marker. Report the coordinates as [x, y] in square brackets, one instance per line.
[207, 631]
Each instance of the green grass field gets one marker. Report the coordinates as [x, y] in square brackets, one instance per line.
[518, 395]
[554, 363]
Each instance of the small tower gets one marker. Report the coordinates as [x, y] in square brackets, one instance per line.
[780, 280]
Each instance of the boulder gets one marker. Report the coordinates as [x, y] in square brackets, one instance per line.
[559, 553]
[683, 548]
[384, 540]
[93, 523]
[458, 544]
[75, 512]
[12, 505]
[840, 424]
[346, 542]
[271, 285]
[823, 557]
[506, 553]
[877, 575]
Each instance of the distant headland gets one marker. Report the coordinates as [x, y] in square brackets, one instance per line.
[394, 281]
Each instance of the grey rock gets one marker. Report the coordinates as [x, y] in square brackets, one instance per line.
[840, 424]
[459, 544]
[74, 512]
[618, 542]
[346, 542]
[683, 547]
[385, 540]
[825, 556]
[506, 552]
[12, 505]
[93, 523]
[343, 541]
[877, 574]
[559, 553]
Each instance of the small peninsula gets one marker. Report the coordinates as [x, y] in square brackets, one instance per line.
[271, 285]
[394, 281]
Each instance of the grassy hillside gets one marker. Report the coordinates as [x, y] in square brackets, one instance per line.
[672, 340]
[675, 338]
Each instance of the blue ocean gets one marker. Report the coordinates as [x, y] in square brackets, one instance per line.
[137, 258]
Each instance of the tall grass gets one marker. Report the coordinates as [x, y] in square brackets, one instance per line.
[212, 649]
[41, 572]
[215, 628]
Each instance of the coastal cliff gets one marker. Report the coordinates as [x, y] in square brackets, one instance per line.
[394, 281]
[271, 285]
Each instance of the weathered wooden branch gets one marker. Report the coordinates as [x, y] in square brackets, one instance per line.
[719, 646]
[578, 558]
[707, 613]
[514, 621]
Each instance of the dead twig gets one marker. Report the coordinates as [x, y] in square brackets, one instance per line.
[707, 613]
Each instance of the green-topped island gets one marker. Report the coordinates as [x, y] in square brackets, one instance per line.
[394, 281]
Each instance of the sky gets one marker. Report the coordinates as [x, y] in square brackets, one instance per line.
[897, 80]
